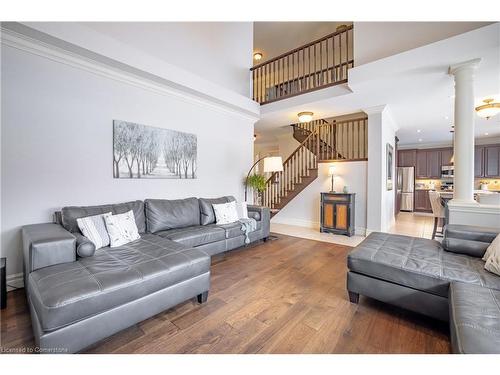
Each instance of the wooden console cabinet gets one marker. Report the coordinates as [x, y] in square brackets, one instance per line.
[337, 213]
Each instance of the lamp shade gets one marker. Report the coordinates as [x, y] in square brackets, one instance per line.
[273, 164]
[331, 170]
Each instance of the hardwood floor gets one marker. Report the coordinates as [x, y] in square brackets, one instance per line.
[283, 296]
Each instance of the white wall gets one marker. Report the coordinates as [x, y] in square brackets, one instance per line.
[190, 59]
[380, 201]
[376, 40]
[304, 209]
[218, 51]
[57, 143]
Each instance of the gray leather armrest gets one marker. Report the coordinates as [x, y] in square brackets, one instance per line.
[84, 247]
[468, 239]
[45, 245]
[262, 214]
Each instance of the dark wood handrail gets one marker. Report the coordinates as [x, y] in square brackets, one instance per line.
[302, 47]
[313, 133]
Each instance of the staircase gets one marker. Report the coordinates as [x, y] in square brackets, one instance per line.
[320, 142]
[302, 130]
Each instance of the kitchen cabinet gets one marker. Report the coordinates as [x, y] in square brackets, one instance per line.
[433, 163]
[479, 161]
[446, 155]
[407, 158]
[422, 201]
[428, 164]
[421, 164]
[492, 161]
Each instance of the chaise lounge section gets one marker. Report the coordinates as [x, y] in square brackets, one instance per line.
[430, 278]
[76, 300]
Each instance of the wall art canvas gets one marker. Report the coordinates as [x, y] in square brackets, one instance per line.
[390, 161]
[141, 151]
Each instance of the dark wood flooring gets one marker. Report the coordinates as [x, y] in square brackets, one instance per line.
[283, 296]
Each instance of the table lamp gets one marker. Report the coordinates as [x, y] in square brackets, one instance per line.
[331, 172]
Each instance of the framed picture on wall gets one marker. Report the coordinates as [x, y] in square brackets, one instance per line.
[141, 151]
[389, 166]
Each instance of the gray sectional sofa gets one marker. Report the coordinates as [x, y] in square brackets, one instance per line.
[77, 296]
[445, 281]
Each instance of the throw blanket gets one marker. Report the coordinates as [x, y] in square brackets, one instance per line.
[247, 226]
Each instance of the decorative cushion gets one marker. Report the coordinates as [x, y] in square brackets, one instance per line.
[122, 229]
[71, 213]
[225, 213]
[94, 228]
[207, 211]
[492, 248]
[493, 260]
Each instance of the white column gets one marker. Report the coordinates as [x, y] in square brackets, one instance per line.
[379, 200]
[463, 148]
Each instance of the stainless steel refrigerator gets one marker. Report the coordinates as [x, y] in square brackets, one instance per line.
[406, 188]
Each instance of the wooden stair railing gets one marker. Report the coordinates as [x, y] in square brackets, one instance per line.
[326, 144]
[299, 170]
[320, 141]
[321, 63]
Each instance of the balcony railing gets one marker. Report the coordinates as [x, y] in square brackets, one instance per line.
[316, 65]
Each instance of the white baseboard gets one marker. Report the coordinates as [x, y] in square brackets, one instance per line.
[359, 231]
[15, 281]
[296, 222]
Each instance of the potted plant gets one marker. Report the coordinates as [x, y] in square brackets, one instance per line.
[258, 183]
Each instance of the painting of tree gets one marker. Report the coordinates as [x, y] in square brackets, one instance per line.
[141, 151]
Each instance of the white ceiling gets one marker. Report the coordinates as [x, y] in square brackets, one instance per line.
[274, 38]
[415, 85]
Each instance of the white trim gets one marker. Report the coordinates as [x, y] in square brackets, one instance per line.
[476, 208]
[16, 280]
[39, 48]
[358, 231]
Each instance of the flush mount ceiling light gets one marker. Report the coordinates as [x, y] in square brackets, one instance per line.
[489, 109]
[305, 116]
[257, 56]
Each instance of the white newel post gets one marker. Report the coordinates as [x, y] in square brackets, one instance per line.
[463, 147]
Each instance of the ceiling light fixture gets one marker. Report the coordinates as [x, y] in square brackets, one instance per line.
[489, 109]
[419, 130]
[305, 116]
[446, 118]
[420, 139]
[258, 56]
[486, 133]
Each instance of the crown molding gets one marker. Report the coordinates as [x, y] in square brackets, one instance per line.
[154, 84]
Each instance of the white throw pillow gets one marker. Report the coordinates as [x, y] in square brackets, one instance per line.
[225, 213]
[494, 246]
[493, 260]
[122, 228]
[242, 209]
[94, 228]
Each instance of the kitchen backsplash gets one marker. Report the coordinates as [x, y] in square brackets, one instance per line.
[493, 184]
[427, 184]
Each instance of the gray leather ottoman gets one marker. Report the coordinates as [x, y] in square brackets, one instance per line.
[410, 272]
[474, 319]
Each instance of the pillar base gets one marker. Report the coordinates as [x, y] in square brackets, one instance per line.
[462, 202]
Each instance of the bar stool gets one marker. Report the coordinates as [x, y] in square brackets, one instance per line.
[437, 210]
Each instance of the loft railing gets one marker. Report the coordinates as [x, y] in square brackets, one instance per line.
[337, 140]
[348, 140]
[316, 65]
